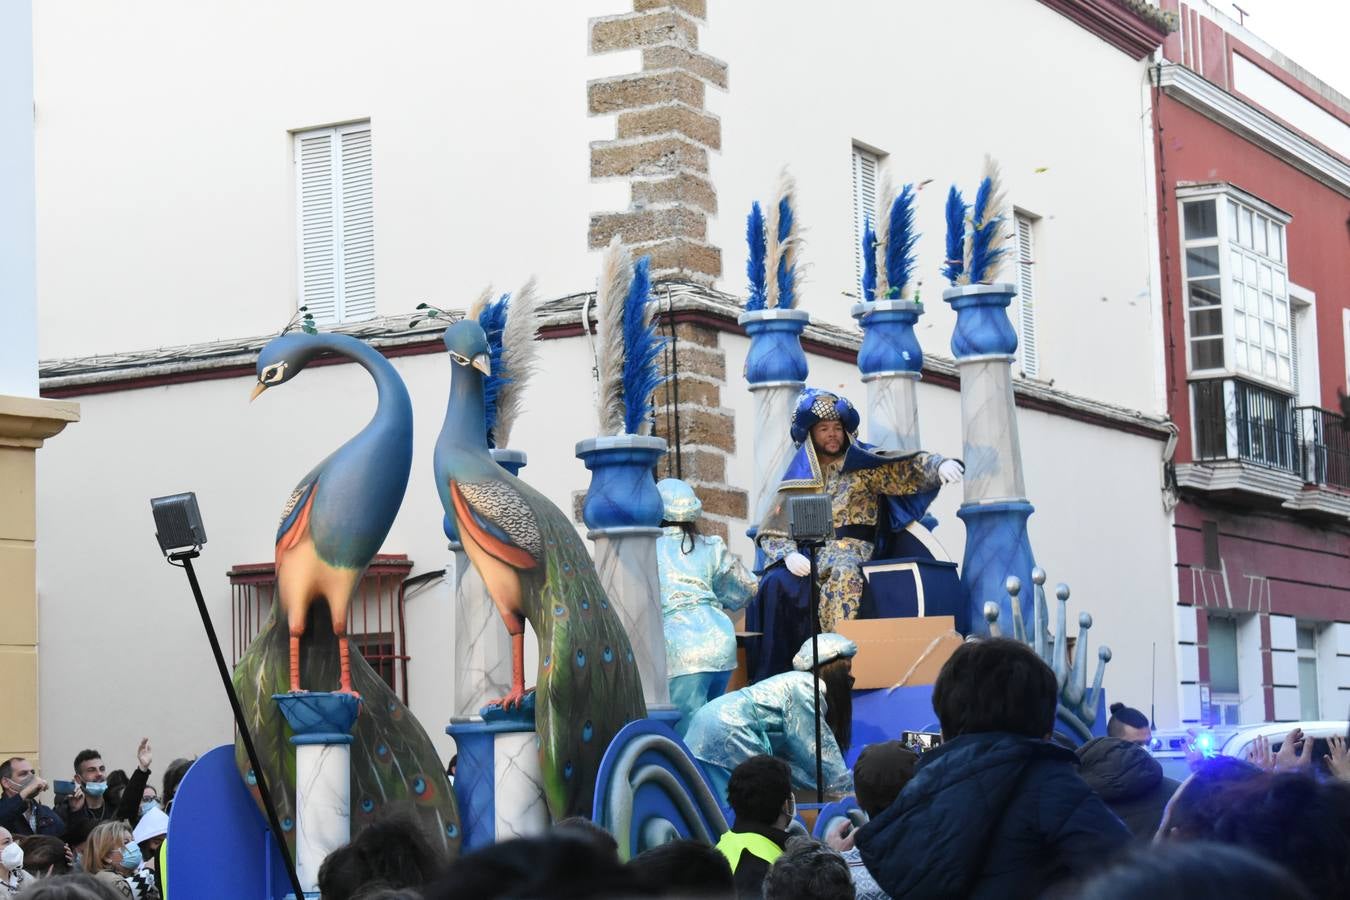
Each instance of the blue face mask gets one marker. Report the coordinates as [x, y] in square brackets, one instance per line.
[131, 856]
[95, 788]
[149, 805]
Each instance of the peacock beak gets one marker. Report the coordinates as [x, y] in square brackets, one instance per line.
[483, 363]
[257, 389]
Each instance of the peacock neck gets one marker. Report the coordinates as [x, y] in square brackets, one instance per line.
[466, 411]
[393, 407]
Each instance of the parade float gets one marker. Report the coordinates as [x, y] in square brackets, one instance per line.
[325, 747]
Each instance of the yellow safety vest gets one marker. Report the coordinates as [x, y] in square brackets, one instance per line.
[735, 843]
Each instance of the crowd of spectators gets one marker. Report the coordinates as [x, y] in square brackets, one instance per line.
[998, 809]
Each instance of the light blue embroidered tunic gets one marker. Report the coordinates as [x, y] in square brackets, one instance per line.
[774, 717]
[695, 589]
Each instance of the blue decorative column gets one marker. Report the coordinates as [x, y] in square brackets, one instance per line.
[776, 369]
[482, 646]
[498, 785]
[623, 512]
[995, 508]
[891, 363]
[322, 725]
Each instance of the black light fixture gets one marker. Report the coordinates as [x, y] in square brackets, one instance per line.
[181, 534]
[811, 524]
[178, 524]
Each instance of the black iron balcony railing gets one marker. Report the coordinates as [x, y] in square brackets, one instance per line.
[1238, 420]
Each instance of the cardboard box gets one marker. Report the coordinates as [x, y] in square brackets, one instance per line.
[896, 651]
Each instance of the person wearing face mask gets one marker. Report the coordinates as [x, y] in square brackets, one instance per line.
[113, 857]
[20, 812]
[760, 795]
[91, 784]
[13, 878]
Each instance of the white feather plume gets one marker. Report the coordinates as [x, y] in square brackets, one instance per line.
[616, 271]
[520, 355]
[785, 249]
[881, 224]
[476, 307]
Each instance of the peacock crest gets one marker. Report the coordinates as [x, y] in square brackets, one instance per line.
[1077, 705]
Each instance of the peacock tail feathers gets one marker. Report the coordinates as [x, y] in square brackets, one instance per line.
[492, 316]
[901, 239]
[520, 356]
[611, 292]
[642, 352]
[869, 257]
[954, 267]
[393, 762]
[987, 234]
[588, 683]
[754, 263]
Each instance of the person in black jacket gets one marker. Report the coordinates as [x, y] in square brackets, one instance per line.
[1130, 780]
[91, 783]
[20, 813]
[997, 810]
[760, 794]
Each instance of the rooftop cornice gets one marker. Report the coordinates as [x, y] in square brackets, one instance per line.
[1135, 27]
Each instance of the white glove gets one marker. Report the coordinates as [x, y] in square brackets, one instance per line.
[951, 471]
[797, 564]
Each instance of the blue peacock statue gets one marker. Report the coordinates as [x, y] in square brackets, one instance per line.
[536, 569]
[331, 527]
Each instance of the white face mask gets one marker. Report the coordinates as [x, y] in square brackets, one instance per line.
[12, 857]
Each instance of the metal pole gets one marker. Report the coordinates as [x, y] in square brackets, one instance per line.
[815, 668]
[186, 558]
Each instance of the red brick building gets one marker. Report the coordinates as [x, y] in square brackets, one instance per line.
[1253, 162]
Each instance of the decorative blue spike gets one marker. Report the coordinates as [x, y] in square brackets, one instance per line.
[985, 225]
[493, 320]
[642, 350]
[754, 263]
[956, 236]
[787, 275]
[869, 256]
[900, 242]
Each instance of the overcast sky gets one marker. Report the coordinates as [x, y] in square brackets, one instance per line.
[1313, 33]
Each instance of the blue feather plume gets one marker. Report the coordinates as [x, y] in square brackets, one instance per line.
[985, 251]
[493, 320]
[754, 263]
[900, 242]
[955, 263]
[642, 351]
[787, 272]
[869, 256]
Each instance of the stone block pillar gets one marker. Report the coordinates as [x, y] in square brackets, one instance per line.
[663, 136]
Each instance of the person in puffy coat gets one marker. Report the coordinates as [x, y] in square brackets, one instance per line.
[1130, 780]
[997, 810]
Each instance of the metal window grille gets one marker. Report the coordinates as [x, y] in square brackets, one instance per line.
[375, 621]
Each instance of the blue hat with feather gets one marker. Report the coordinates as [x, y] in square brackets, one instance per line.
[814, 406]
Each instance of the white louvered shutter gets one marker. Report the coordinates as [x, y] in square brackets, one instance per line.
[335, 188]
[318, 240]
[358, 225]
[865, 166]
[1027, 345]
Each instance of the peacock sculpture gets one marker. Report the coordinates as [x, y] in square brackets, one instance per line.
[331, 527]
[536, 569]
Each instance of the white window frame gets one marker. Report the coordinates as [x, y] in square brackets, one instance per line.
[863, 204]
[1228, 245]
[353, 278]
[1028, 336]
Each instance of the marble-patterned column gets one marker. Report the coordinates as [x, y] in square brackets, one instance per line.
[891, 363]
[625, 559]
[482, 646]
[322, 723]
[623, 511]
[995, 507]
[498, 784]
[776, 370]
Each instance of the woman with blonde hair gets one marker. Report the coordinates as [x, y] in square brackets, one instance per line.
[114, 858]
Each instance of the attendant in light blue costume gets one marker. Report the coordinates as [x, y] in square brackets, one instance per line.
[776, 717]
[701, 581]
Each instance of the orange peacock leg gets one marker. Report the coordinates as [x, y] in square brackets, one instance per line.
[295, 663]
